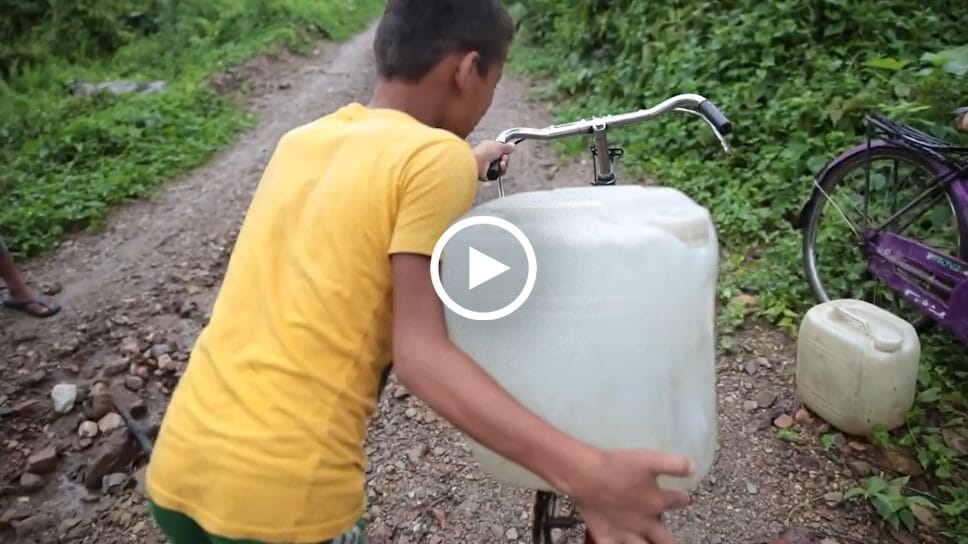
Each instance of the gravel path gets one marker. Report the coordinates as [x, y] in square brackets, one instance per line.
[136, 293]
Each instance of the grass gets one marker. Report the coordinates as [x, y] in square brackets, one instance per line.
[65, 160]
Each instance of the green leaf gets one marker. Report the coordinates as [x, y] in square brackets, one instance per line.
[854, 492]
[907, 519]
[886, 63]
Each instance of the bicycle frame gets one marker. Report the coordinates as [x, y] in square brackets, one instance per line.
[690, 104]
[897, 260]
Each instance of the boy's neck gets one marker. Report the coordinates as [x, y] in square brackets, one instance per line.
[415, 100]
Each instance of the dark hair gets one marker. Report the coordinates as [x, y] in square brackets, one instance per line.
[414, 35]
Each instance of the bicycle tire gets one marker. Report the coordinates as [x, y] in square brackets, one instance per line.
[828, 181]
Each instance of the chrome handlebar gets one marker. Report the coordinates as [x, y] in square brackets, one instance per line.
[692, 104]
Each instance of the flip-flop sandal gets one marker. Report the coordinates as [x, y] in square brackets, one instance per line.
[28, 306]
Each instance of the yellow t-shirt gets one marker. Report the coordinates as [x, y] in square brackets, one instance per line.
[264, 435]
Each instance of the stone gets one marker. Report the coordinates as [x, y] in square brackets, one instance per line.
[899, 462]
[411, 412]
[957, 440]
[134, 383]
[417, 453]
[87, 429]
[115, 367]
[925, 517]
[750, 367]
[64, 395]
[784, 421]
[31, 482]
[166, 363]
[765, 399]
[111, 483]
[802, 416]
[859, 468]
[511, 534]
[438, 451]
[34, 524]
[750, 405]
[112, 455]
[158, 350]
[43, 461]
[833, 498]
[110, 422]
[130, 346]
[752, 488]
[99, 402]
[857, 446]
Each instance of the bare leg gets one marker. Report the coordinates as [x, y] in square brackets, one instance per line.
[20, 296]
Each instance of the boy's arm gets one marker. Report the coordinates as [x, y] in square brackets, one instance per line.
[440, 374]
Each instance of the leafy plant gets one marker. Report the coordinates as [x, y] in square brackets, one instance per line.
[889, 500]
[64, 159]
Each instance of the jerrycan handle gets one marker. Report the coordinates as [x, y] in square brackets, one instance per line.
[887, 342]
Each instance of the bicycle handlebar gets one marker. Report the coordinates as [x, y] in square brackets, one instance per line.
[693, 104]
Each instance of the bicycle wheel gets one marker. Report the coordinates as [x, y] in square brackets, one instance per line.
[833, 260]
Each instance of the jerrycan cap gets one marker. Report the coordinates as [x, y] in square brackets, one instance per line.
[886, 339]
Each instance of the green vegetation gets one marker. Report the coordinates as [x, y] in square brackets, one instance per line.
[64, 159]
[796, 78]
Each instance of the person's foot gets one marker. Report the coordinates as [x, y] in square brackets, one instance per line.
[32, 303]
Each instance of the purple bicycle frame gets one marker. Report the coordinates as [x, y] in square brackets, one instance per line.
[890, 257]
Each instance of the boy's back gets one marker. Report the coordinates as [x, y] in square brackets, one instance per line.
[300, 333]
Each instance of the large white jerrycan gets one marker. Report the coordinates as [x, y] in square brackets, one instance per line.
[616, 344]
[857, 365]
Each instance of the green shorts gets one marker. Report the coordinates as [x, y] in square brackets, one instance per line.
[181, 529]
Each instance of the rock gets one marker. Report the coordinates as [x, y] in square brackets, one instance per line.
[87, 429]
[765, 399]
[752, 488]
[117, 88]
[99, 402]
[497, 531]
[833, 498]
[115, 367]
[829, 541]
[158, 350]
[750, 405]
[110, 422]
[34, 378]
[957, 440]
[438, 451]
[400, 392]
[802, 416]
[764, 362]
[750, 367]
[111, 483]
[783, 422]
[134, 383]
[859, 468]
[857, 446]
[19, 511]
[417, 453]
[714, 539]
[113, 455]
[897, 461]
[166, 363]
[925, 517]
[34, 524]
[139, 480]
[411, 412]
[64, 395]
[839, 440]
[43, 461]
[511, 534]
[749, 302]
[31, 482]
[130, 346]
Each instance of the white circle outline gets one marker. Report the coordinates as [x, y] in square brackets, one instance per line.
[494, 222]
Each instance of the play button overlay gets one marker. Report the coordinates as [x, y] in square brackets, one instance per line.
[483, 268]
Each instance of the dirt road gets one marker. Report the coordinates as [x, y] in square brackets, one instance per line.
[136, 293]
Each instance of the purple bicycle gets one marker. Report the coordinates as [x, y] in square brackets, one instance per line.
[903, 197]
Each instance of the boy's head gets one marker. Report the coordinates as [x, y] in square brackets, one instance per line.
[457, 47]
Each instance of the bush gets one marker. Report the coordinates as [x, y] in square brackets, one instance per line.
[796, 78]
[65, 159]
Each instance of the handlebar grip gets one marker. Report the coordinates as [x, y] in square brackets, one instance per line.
[716, 117]
[494, 170]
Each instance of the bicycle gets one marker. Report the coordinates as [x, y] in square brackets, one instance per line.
[914, 255]
[546, 516]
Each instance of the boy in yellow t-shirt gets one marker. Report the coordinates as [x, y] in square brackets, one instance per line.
[329, 281]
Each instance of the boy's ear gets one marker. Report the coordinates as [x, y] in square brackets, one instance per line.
[467, 73]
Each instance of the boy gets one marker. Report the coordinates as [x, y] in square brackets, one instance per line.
[329, 281]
